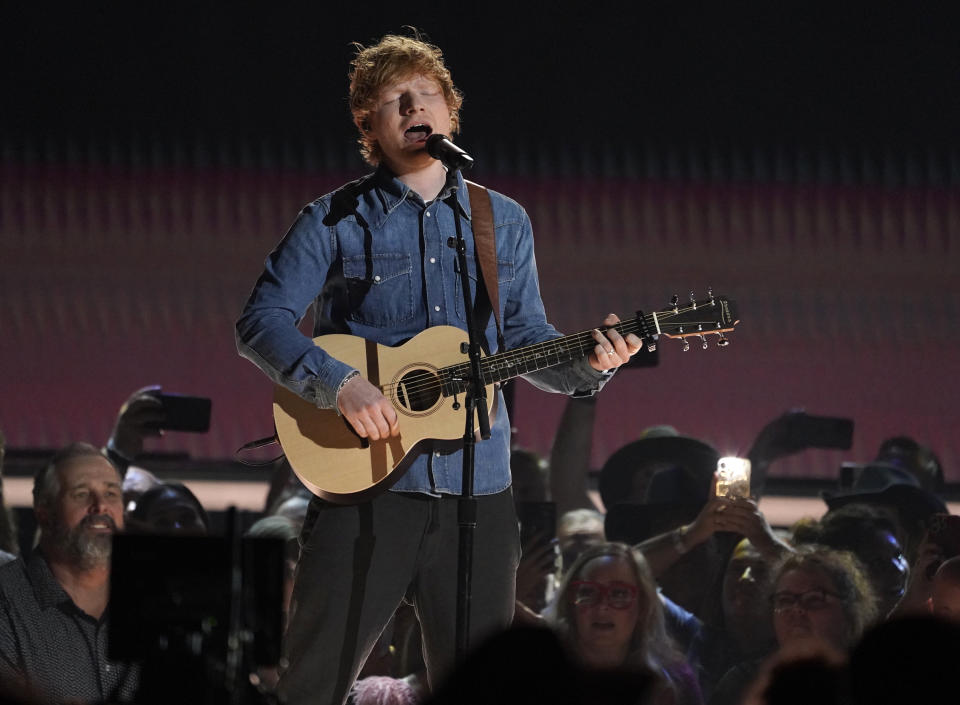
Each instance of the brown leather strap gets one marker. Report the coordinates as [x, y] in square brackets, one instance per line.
[484, 238]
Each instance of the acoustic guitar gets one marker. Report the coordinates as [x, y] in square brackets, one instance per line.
[424, 379]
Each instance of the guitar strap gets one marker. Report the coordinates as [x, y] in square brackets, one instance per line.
[485, 245]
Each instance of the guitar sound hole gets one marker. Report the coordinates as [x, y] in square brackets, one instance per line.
[418, 390]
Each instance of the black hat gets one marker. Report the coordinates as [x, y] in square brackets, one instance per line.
[628, 473]
[676, 473]
[888, 485]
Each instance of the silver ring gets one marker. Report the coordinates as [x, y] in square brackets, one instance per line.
[609, 352]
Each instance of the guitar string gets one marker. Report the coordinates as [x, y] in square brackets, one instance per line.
[570, 346]
[573, 346]
[566, 346]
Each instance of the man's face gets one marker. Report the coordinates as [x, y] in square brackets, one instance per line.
[86, 512]
[407, 112]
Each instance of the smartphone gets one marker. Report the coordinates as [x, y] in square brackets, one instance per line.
[733, 477]
[807, 431]
[537, 519]
[185, 413]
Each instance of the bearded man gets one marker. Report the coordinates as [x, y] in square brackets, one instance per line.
[54, 605]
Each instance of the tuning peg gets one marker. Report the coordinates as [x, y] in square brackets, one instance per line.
[723, 341]
[674, 301]
[693, 299]
[703, 341]
[686, 345]
[651, 347]
[710, 295]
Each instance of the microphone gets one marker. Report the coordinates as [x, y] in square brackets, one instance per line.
[441, 148]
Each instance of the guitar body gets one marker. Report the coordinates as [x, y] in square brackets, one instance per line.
[327, 455]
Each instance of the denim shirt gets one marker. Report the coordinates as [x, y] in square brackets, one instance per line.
[375, 262]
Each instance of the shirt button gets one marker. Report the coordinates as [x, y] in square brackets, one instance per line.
[433, 260]
[437, 309]
[436, 455]
[376, 278]
[428, 214]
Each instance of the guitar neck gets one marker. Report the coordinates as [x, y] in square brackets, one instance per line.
[713, 316]
[538, 356]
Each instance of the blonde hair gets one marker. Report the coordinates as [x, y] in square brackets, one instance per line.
[392, 59]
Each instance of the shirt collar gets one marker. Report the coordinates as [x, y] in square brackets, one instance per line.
[47, 588]
[391, 192]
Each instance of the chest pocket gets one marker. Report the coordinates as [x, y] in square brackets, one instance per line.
[379, 288]
[504, 279]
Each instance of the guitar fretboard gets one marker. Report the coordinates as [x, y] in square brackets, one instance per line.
[538, 356]
[715, 315]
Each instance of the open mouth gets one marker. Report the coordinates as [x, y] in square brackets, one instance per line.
[100, 523]
[418, 132]
[603, 626]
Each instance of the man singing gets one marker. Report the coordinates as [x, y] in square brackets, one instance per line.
[373, 258]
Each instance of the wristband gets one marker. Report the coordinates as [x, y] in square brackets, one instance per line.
[343, 382]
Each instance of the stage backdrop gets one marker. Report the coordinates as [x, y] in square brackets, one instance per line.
[126, 263]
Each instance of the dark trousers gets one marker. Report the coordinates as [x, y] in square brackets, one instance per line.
[358, 562]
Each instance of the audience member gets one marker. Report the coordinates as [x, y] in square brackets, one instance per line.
[169, 508]
[578, 530]
[888, 486]
[570, 456]
[610, 617]
[284, 486]
[909, 660]
[945, 594]
[819, 596]
[536, 571]
[53, 607]
[723, 629]
[804, 673]
[8, 530]
[869, 532]
[917, 459]
[531, 475]
[139, 418]
[654, 486]
[282, 528]
[136, 481]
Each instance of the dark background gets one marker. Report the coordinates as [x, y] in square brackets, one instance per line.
[750, 72]
[802, 158]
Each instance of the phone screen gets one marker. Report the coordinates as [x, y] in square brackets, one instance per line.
[185, 413]
[733, 477]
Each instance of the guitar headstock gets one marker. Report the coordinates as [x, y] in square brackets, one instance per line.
[714, 315]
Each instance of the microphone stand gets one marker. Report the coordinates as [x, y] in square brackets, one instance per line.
[475, 403]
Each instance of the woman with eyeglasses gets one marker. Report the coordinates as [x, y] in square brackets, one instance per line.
[610, 617]
[821, 601]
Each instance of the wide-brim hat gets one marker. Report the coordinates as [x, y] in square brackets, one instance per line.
[888, 485]
[627, 474]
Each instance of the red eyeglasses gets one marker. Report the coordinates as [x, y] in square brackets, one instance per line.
[586, 593]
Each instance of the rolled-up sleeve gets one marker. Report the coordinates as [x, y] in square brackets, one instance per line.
[267, 333]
